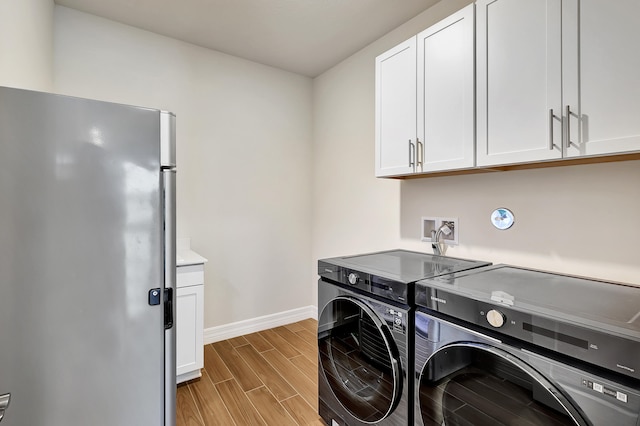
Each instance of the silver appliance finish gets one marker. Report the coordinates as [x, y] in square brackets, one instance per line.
[84, 237]
[168, 167]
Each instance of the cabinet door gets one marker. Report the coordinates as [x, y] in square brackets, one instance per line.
[446, 93]
[396, 110]
[602, 75]
[189, 329]
[519, 79]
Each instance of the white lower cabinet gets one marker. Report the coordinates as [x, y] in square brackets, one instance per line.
[189, 322]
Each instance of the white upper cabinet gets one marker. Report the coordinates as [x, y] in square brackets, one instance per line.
[557, 79]
[425, 100]
[601, 54]
[396, 110]
[507, 82]
[519, 81]
[445, 102]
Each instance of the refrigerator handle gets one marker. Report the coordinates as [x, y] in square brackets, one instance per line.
[168, 308]
[169, 187]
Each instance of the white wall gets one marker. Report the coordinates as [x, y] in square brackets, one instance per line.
[243, 148]
[354, 212]
[26, 47]
[249, 173]
[580, 219]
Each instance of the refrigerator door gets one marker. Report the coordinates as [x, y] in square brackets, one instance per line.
[81, 245]
[167, 158]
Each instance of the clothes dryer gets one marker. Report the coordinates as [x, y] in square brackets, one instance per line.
[508, 345]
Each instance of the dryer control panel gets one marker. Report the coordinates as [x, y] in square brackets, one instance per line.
[602, 349]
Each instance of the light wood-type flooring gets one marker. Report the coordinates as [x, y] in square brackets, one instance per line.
[264, 378]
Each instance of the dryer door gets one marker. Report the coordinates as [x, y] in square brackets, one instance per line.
[475, 383]
[359, 360]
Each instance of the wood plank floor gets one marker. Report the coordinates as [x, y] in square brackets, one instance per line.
[264, 378]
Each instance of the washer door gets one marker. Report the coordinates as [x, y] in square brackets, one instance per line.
[473, 383]
[359, 360]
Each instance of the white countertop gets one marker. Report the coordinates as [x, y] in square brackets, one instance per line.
[188, 257]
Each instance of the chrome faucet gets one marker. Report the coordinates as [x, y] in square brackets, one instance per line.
[440, 248]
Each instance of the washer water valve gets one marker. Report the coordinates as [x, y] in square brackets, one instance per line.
[431, 224]
[445, 229]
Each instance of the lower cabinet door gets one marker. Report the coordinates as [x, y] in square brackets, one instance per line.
[189, 333]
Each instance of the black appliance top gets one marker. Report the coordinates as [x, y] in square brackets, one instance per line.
[390, 273]
[591, 320]
[403, 265]
[581, 300]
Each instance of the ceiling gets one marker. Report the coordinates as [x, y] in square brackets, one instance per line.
[302, 36]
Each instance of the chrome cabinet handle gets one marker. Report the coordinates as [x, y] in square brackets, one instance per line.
[4, 403]
[568, 113]
[420, 153]
[412, 151]
[551, 117]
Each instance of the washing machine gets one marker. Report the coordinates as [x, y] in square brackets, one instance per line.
[508, 345]
[365, 334]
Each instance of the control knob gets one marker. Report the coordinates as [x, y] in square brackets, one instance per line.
[353, 278]
[495, 318]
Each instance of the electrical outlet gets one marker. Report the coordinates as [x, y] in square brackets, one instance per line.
[431, 224]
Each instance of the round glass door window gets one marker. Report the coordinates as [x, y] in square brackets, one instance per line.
[359, 360]
[467, 384]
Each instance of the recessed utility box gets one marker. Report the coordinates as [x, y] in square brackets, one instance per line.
[429, 227]
[431, 224]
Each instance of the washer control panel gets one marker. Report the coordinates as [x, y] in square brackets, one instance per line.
[367, 283]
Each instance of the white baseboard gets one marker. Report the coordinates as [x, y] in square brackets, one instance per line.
[188, 376]
[240, 328]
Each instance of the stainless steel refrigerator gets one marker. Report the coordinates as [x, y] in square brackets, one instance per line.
[87, 262]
